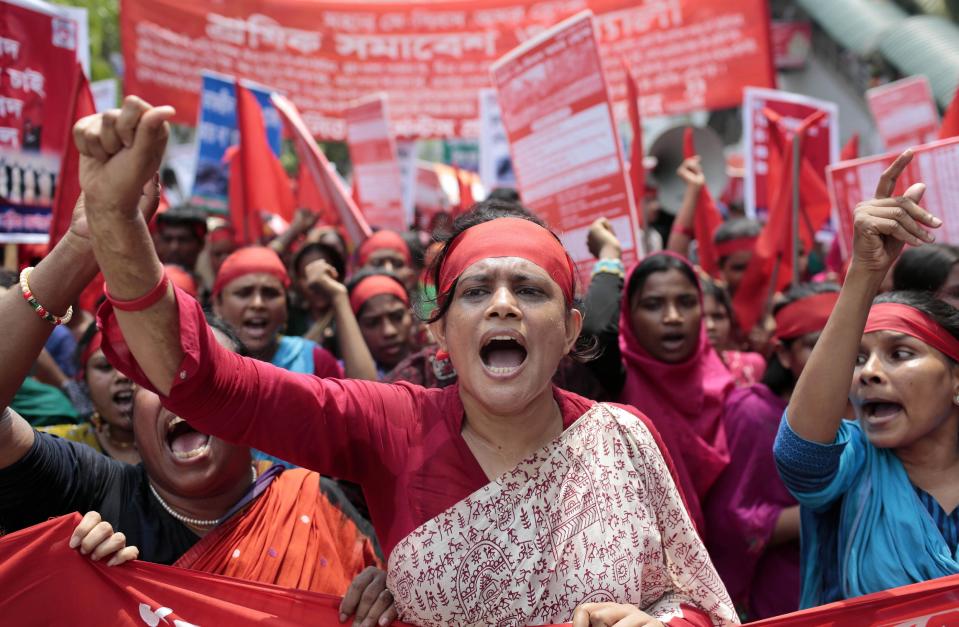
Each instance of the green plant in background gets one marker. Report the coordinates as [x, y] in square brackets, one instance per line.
[104, 35]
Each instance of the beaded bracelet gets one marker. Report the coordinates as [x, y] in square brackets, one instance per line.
[37, 307]
[610, 266]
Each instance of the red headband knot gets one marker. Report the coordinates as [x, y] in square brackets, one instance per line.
[806, 315]
[508, 237]
[252, 260]
[914, 323]
[92, 347]
[376, 285]
[383, 240]
[730, 246]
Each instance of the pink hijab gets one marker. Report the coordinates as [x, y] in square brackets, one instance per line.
[684, 400]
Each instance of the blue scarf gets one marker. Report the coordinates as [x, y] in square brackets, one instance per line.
[295, 354]
[886, 536]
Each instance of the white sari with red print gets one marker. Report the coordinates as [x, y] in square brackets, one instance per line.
[592, 517]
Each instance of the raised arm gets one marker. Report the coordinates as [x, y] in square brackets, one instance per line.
[691, 172]
[882, 225]
[120, 150]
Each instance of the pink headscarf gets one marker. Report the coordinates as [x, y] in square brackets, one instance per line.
[684, 400]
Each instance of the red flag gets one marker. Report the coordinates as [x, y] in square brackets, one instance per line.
[325, 181]
[68, 182]
[771, 267]
[851, 149]
[706, 218]
[637, 175]
[262, 184]
[950, 120]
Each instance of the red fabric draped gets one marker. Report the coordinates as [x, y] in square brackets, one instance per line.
[851, 149]
[637, 175]
[685, 402]
[291, 536]
[68, 181]
[706, 218]
[771, 267]
[258, 182]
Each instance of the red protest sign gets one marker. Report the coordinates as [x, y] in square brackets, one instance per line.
[905, 113]
[820, 145]
[433, 58]
[565, 150]
[38, 56]
[935, 164]
[376, 170]
[792, 43]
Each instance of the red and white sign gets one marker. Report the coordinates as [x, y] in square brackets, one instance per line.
[376, 171]
[792, 42]
[433, 58]
[905, 113]
[566, 154]
[935, 164]
[820, 146]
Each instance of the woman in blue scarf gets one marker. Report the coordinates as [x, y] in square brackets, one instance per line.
[878, 495]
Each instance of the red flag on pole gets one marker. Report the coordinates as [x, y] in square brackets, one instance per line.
[258, 182]
[68, 182]
[851, 149]
[327, 184]
[950, 121]
[637, 175]
[706, 218]
[772, 264]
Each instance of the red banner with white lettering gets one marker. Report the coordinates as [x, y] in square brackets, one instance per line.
[376, 170]
[432, 59]
[820, 145]
[905, 113]
[935, 164]
[566, 152]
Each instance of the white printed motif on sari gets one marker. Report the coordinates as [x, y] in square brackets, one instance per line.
[592, 517]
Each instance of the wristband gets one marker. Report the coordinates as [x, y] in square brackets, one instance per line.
[610, 266]
[37, 307]
[144, 302]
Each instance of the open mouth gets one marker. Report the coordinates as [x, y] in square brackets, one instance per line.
[184, 441]
[880, 410]
[503, 354]
[673, 341]
[255, 328]
[123, 401]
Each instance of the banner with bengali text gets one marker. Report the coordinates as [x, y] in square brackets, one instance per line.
[433, 59]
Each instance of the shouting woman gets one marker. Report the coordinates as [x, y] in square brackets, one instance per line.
[500, 498]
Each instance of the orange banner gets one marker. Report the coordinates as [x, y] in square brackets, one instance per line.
[433, 59]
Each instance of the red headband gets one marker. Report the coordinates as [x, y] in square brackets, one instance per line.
[725, 249]
[508, 237]
[912, 322]
[376, 285]
[95, 342]
[383, 240]
[252, 260]
[222, 234]
[806, 315]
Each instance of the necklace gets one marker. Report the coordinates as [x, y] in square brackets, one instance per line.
[102, 427]
[186, 520]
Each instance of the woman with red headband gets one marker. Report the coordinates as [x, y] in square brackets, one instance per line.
[381, 305]
[878, 495]
[752, 519]
[497, 499]
[387, 251]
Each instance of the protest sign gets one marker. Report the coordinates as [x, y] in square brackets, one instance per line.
[377, 180]
[40, 46]
[105, 94]
[905, 113]
[936, 164]
[216, 131]
[791, 43]
[820, 145]
[433, 58]
[495, 165]
[567, 156]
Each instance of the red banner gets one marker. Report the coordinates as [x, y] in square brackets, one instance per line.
[433, 59]
[905, 113]
[565, 149]
[935, 164]
[820, 146]
[376, 170]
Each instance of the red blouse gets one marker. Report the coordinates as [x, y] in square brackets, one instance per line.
[400, 442]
